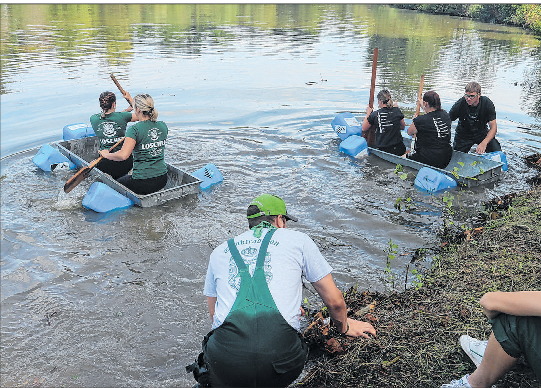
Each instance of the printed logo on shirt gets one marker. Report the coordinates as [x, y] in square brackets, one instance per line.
[383, 121]
[154, 134]
[155, 151]
[108, 129]
[442, 128]
[234, 279]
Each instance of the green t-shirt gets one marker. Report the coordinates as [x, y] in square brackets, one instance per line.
[111, 128]
[149, 151]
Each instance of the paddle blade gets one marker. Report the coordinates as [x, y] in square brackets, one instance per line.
[76, 179]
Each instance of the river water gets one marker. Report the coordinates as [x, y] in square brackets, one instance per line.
[115, 300]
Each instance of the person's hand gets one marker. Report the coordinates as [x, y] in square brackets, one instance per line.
[369, 110]
[481, 148]
[104, 153]
[360, 329]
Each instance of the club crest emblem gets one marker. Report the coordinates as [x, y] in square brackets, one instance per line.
[154, 134]
[108, 129]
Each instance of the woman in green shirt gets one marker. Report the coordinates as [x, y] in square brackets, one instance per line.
[146, 140]
[109, 127]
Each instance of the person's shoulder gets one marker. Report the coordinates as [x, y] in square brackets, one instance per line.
[294, 235]
[486, 100]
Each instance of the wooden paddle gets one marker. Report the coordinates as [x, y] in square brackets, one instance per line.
[418, 110]
[85, 171]
[370, 135]
[119, 87]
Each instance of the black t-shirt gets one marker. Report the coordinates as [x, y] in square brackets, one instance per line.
[433, 130]
[473, 121]
[387, 121]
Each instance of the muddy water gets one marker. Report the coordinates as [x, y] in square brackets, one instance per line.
[115, 300]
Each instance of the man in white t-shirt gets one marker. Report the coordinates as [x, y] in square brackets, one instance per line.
[254, 293]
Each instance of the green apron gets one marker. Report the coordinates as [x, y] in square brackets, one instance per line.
[255, 346]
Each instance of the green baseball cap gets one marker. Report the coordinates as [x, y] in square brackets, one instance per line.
[270, 205]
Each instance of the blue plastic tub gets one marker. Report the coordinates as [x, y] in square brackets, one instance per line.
[102, 198]
[355, 146]
[208, 175]
[433, 181]
[346, 124]
[497, 156]
[77, 131]
[49, 158]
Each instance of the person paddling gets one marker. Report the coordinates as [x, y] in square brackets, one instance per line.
[433, 132]
[389, 122]
[146, 139]
[109, 127]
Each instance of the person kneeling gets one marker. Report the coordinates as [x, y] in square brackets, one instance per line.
[254, 293]
[433, 134]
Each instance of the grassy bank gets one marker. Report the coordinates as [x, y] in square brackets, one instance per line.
[524, 15]
[418, 329]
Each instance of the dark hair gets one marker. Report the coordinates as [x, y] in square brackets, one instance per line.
[107, 99]
[433, 99]
[253, 209]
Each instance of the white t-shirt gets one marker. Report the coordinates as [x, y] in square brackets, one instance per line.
[290, 255]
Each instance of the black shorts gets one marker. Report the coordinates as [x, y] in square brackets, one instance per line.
[397, 149]
[144, 186]
[435, 157]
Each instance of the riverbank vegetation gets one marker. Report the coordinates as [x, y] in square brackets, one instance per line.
[524, 15]
[418, 329]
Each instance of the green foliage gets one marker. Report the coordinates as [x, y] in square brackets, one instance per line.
[399, 170]
[390, 277]
[523, 15]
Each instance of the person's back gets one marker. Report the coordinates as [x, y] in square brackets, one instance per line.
[389, 123]
[254, 287]
[433, 134]
[257, 311]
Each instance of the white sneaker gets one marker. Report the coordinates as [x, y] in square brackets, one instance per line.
[474, 348]
[463, 382]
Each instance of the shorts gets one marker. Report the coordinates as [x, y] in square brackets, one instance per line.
[464, 144]
[437, 157]
[397, 149]
[144, 186]
[520, 336]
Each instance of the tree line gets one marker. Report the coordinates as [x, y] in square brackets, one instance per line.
[527, 16]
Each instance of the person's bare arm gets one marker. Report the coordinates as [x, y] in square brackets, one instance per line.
[366, 125]
[412, 130]
[123, 154]
[521, 303]
[493, 129]
[334, 300]
[211, 302]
